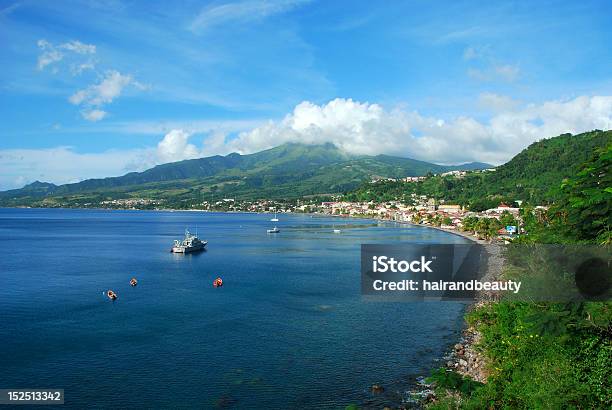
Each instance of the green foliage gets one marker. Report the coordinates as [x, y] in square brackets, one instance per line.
[507, 219]
[285, 172]
[535, 363]
[586, 203]
[550, 355]
[451, 380]
[533, 176]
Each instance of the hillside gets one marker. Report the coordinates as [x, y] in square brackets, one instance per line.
[533, 176]
[287, 171]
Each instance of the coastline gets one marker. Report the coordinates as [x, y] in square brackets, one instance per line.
[463, 357]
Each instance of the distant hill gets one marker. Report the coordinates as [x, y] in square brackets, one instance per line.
[533, 176]
[287, 171]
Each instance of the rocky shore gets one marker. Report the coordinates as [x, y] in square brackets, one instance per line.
[463, 357]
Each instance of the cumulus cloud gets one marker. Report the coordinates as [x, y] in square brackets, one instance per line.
[175, 147]
[95, 96]
[92, 98]
[364, 128]
[356, 127]
[109, 88]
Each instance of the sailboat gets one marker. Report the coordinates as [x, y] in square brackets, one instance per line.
[275, 219]
[336, 230]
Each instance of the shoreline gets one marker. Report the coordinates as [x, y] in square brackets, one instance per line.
[462, 357]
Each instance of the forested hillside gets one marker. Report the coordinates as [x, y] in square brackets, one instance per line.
[533, 176]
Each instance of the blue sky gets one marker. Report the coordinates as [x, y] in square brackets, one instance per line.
[99, 88]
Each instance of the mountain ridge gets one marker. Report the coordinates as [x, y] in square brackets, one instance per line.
[286, 163]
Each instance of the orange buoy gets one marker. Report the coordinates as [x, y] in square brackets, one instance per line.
[133, 282]
[217, 283]
[111, 295]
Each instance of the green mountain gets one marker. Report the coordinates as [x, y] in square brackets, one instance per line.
[533, 176]
[287, 171]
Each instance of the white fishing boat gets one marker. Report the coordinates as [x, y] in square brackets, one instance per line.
[273, 230]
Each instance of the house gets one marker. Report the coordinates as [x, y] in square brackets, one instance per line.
[449, 208]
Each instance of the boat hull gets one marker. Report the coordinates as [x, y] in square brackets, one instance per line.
[188, 249]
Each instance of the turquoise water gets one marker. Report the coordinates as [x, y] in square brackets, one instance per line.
[288, 329]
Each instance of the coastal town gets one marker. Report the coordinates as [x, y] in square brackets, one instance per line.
[502, 222]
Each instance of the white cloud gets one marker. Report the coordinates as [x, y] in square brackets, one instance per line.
[93, 115]
[241, 12]
[51, 54]
[63, 165]
[174, 147]
[108, 89]
[364, 128]
[506, 72]
[78, 47]
[78, 69]
[361, 128]
[97, 95]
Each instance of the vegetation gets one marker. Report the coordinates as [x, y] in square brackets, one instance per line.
[533, 176]
[285, 172]
[549, 355]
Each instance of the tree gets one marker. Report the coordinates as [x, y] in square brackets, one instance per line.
[586, 201]
[507, 219]
[482, 227]
[469, 223]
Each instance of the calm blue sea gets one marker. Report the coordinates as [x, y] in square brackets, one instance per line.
[288, 330]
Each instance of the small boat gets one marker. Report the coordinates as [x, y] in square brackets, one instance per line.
[273, 230]
[111, 295]
[133, 282]
[337, 230]
[191, 243]
[275, 219]
[217, 283]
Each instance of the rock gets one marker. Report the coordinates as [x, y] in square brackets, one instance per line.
[461, 352]
[449, 364]
[462, 363]
[458, 346]
[377, 388]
